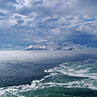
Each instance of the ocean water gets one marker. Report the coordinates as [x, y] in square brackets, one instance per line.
[48, 74]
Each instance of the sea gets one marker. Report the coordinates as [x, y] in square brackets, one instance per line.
[48, 73]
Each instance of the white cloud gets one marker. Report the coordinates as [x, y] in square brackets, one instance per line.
[50, 19]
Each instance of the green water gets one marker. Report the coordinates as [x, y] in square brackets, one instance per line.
[61, 92]
[72, 79]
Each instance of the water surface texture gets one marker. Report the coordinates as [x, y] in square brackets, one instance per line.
[48, 73]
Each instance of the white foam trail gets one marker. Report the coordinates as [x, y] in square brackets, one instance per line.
[70, 69]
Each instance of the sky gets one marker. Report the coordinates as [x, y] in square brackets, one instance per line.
[53, 23]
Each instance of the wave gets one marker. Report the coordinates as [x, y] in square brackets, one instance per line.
[67, 75]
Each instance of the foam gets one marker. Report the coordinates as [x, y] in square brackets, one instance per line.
[70, 69]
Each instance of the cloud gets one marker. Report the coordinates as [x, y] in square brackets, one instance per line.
[51, 20]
